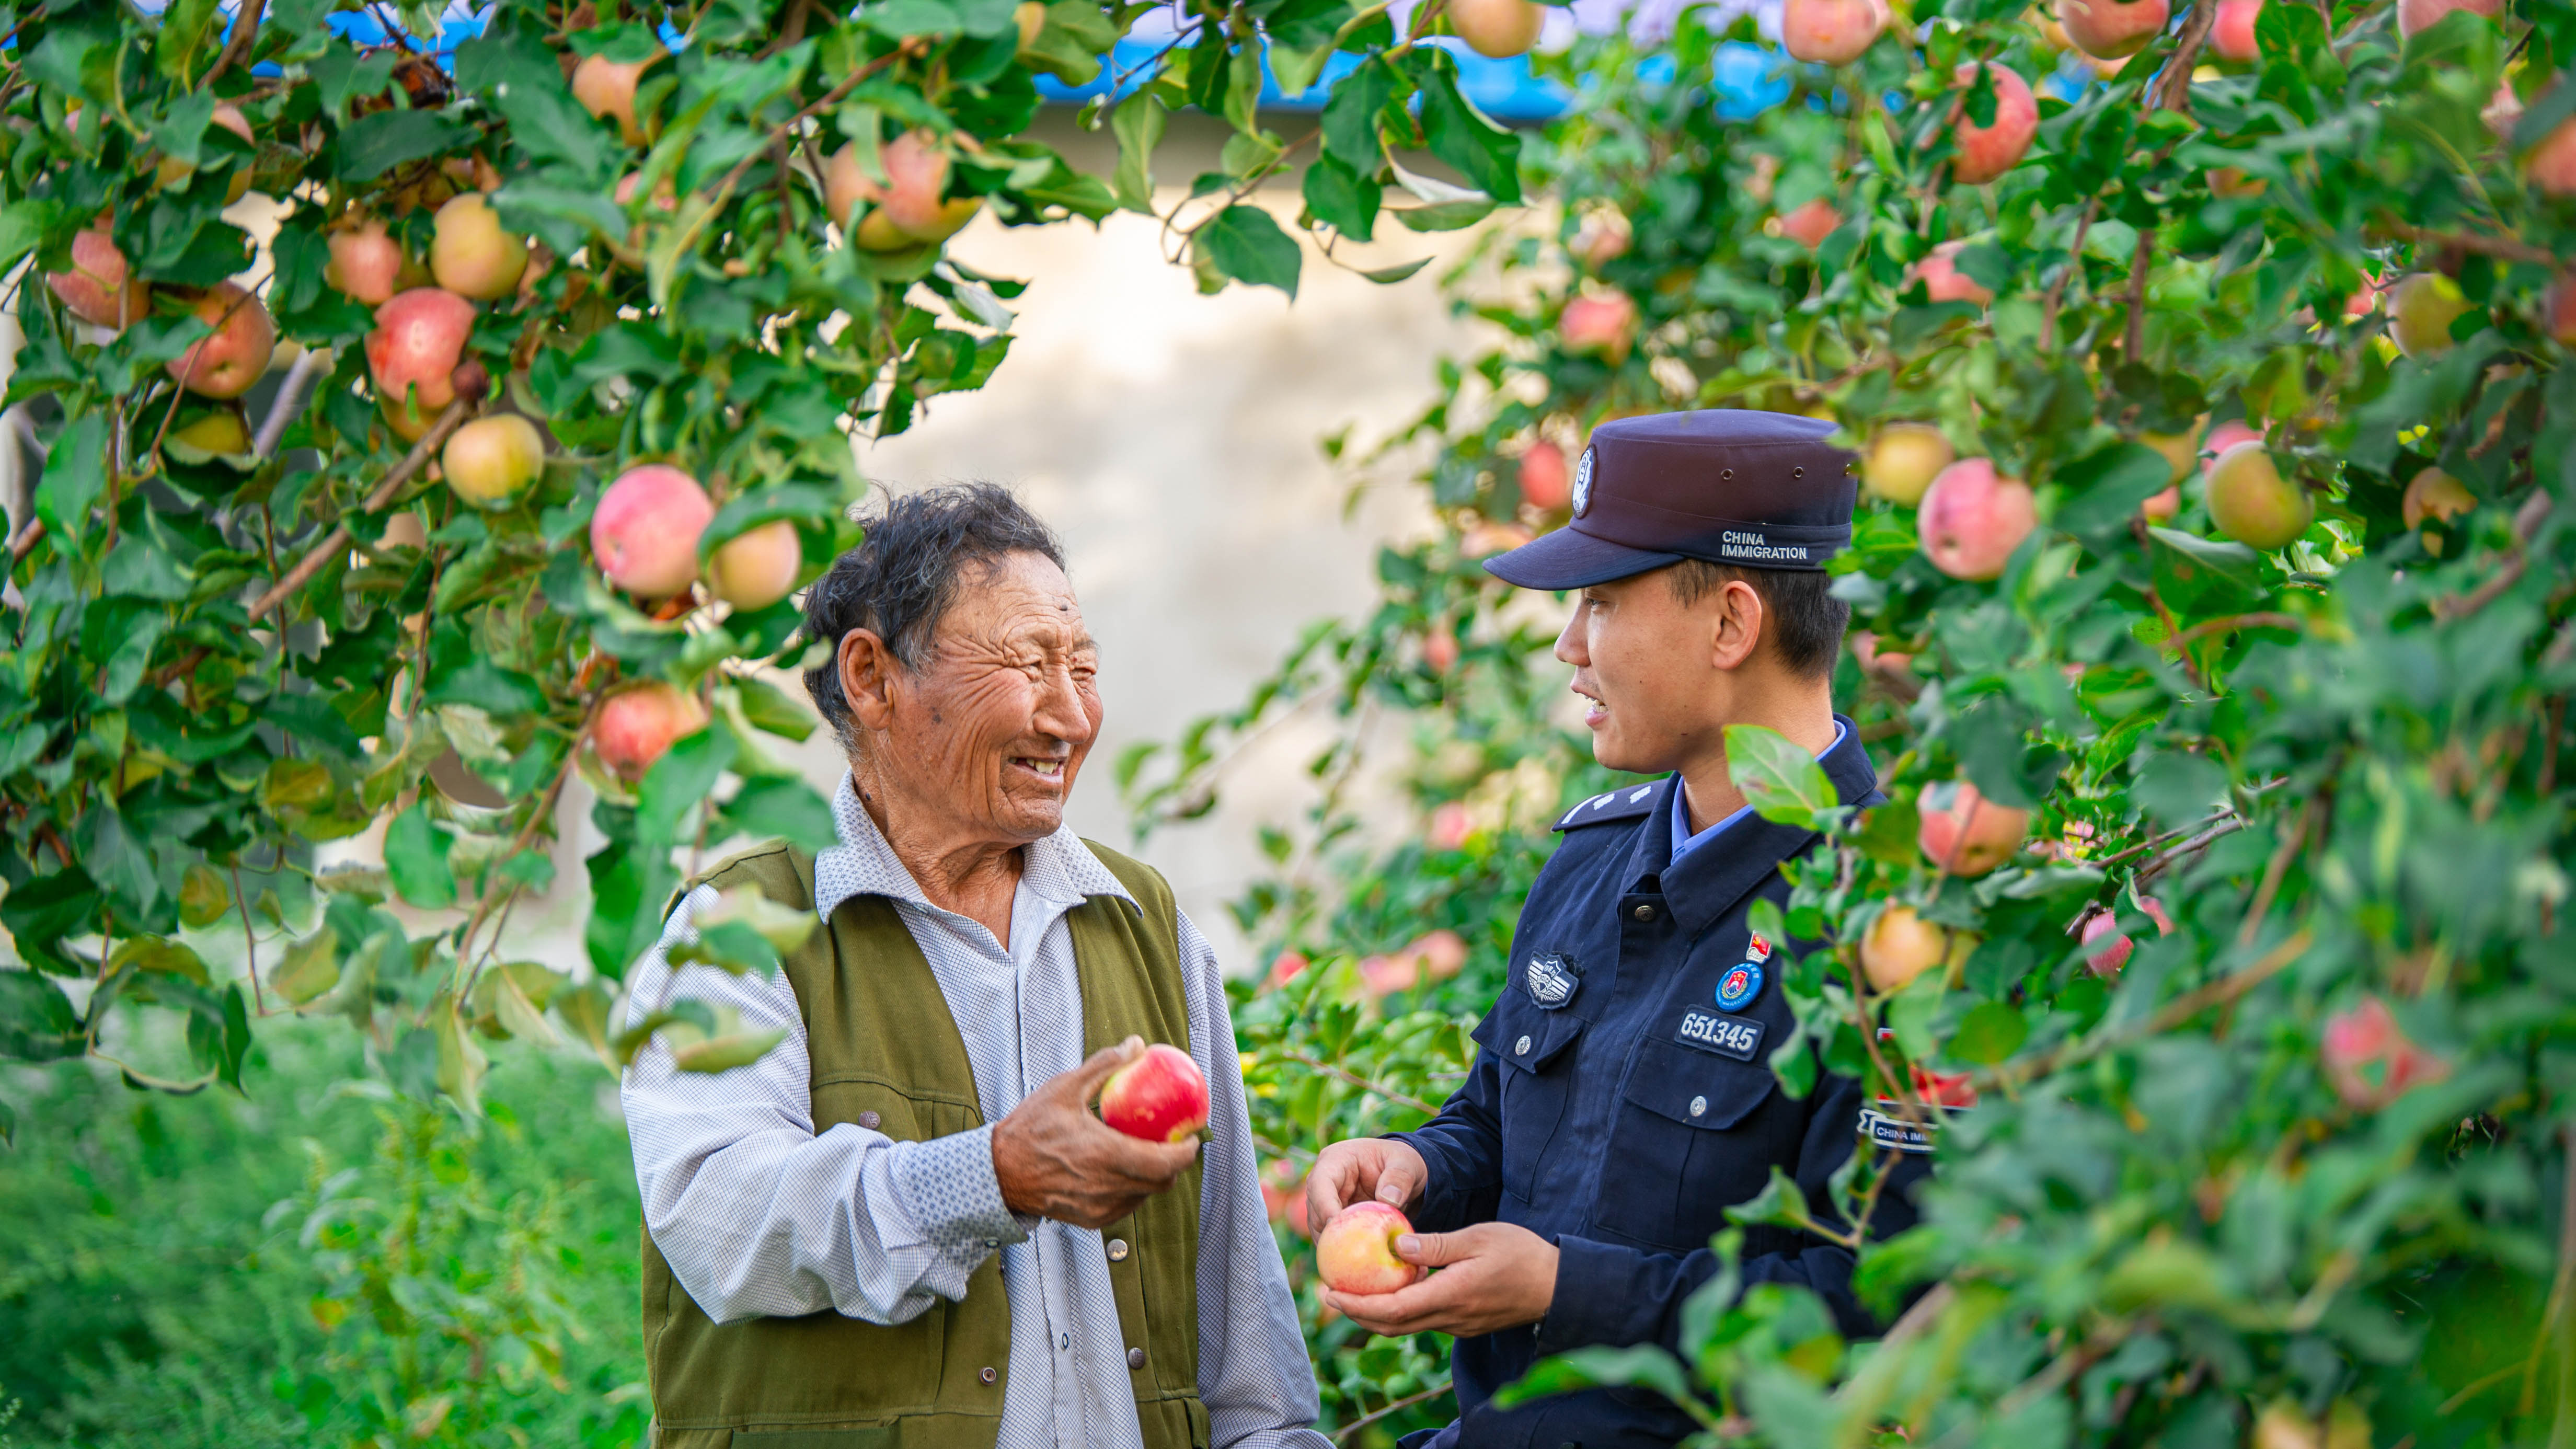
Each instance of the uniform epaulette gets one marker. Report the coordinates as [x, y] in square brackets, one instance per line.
[1622, 804]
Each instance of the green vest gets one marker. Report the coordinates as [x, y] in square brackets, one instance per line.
[886, 1054]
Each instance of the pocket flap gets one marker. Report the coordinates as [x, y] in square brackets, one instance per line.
[1696, 1088]
[1525, 1035]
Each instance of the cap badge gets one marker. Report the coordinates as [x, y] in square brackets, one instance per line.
[1552, 980]
[1737, 988]
[1583, 484]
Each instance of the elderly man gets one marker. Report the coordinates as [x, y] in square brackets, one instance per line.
[904, 1228]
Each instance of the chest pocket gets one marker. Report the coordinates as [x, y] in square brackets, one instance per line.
[1693, 1138]
[1536, 1049]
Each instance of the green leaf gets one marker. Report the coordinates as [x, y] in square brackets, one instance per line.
[416, 858]
[1780, 1204]
[311, 967]
[75, 475]
[2196, 576]
[772, 709]
[1342, 199]
[2105, 487]
[766, 505]
[684, 778]
[382, 140]
[1887, 833]
[43, 912]
[1397, 273]
[1989, 1034]
[489, 687]
[1638, 1366]
[1354, 114]
[37, 1023]
[1486, 154]
[1444, 215]
[1244, 243]
[785, 808]
[900, 19]
[1782, 782]
[1138, 124]
[160, 956]
[204, 896]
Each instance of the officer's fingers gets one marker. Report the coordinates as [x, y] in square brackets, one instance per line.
[1400, 1175]
[1434, 1250]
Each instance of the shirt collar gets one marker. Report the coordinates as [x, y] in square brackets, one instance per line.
[1703, 885]
[1684, 841]
[1057, 868]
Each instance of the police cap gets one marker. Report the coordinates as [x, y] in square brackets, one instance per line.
[1751, 489]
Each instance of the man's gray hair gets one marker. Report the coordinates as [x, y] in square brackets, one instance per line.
[901, 579]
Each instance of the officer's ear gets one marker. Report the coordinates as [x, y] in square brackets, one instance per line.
[1735, 624]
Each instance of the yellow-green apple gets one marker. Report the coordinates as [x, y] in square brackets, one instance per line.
[606, 89]
[1496, 29]
[2231, 34]
[1603, 237]
[2181, 450]
[1982, 153]
[413, 355]
[470, 252]
[2051, 34]
[2421, 309]
[367, 265]
[2415, 15]
[2369, 1059]
[2111, 29]
[216, 432]
[490, 461]
[1943, 281]
[2252, 503]
[1966, 834]
[1603, 323]
[100, 289]
[1899, 946]
[1972, 518]
[637, 725]
[1546, 484]
[2434, 494]
[226, 364]
[756, 567]
[645, 530]
[1835, 32]
[2284, 1425]
[1811, 221]
[2551, 165]
[1159, 1097]
[1356, 1252]
[2114, 953]
[1030, 16]
[1904, 459]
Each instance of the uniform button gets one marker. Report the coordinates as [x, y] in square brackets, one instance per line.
[1118, 1250]
[987, 1374]
[869, 1120]
[1645, 913]
[1135, 1358]
[1521, 1048]
[1699, 1106]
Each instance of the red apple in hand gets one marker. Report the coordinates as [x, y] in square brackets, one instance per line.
[1159, 1097]
[635, 726]
[1969, 835]
[645, 532]
[1983, 153]
[1972, 519]
[1357, 1250]
[2369, 1059]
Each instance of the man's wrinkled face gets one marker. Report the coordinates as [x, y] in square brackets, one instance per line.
[1000, 713]
[1642, 664]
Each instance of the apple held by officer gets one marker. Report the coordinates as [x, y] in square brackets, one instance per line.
[995, 1184]
[1622, 1096]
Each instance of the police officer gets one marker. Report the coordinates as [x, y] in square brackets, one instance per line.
[1622, 1096]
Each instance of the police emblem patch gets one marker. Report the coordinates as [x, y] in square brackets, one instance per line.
[1551, 979]
[1737, 988]
[1757, 949]
[1583, 484]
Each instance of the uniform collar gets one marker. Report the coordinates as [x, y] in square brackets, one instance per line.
[1706, 883]
[1058, 869]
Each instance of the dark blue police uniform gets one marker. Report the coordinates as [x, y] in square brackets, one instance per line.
[1622, 1098]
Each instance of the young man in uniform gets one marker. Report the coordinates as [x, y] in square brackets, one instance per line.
[1622, 1096]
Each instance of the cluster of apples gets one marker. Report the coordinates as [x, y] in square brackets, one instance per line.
[1961, 833]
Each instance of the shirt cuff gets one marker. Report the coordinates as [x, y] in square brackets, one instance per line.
[948, 1187]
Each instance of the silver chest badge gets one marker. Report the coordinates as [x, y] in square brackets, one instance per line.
[1583, 484]
[1551, 979]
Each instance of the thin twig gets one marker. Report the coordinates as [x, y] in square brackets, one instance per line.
[291, 397]
[1343, 1433]
[2172, 90]
[733, 178]
[2500, 247]
[237, 46]
[1353, 1078]
[2275, 869]
[2134, 340]
[2526, 524]
[338, 538]
[2233, 622]
[2057, 288]
[250, 943]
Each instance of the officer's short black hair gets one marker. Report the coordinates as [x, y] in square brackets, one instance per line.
[1804, 620]
[903, 577]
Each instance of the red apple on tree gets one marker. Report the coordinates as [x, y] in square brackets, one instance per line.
[1966, 834]
[1284, 968]
[413, 354]
[636, 725]
[1943, 281]
[2551, 165]
[2434, 494]
[1450, 827]
[1546, 482]
[2111, 29]
[1603, 324]
[2114, 954]
[756, 567]
[1904, 459]
[1833, 32]
[1981, 153]
[100, 289]
[1603, 237]
[1496, 29]
[471, 254]
[1972, 519]
[2369, 1059]
[2231, 35]
[490, 461]
[226, 364]
[1356, 1252]
[2415, 15]
[645, 530]
[367, 265]
[606, 89]
[1159, 1097]
[1812, 220]
[2252, 503]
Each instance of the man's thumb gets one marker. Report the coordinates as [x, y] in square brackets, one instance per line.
[1096, 1068]
[1429, 1250]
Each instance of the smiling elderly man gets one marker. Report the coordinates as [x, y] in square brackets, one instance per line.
[904, 1228]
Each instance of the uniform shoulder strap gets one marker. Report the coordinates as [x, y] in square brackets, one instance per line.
[1626, 803]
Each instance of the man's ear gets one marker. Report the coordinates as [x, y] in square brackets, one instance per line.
[1735, 632]
[868, 678]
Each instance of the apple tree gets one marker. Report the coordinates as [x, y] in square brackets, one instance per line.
[2211, 600]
